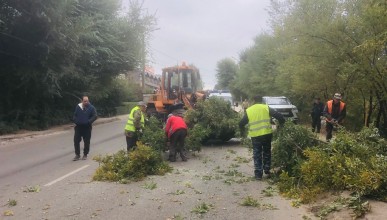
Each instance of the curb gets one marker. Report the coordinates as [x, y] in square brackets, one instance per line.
[26, 134]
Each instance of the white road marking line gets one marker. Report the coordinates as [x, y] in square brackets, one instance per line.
[65, 176]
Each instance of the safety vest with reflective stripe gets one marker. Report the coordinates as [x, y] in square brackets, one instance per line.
[130, 125]
[259, 120]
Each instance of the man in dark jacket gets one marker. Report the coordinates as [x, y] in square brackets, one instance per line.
[84, 116]
[260, 130]
[316, 113]
[335, 112]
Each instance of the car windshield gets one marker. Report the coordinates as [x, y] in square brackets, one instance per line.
[225, 98]
[277, 101]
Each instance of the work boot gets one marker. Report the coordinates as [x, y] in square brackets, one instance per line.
[77, 157]
[258, 175]
[268, 173]
[84, 157]
[172, 158]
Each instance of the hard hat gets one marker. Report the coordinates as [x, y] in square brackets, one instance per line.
[337, 96]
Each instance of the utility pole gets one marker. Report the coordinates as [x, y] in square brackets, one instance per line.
[143, 65]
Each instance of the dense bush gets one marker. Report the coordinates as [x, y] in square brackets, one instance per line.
[217, 116]
[196, 134]
[289, 143]
[113, 94]
[154, 135]
[352, 161]
[135, 165]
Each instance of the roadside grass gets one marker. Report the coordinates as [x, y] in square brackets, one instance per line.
[11, 202]
[35, 188]
[240, 159]
[202, 208]
[269, 191]
[178, 192]
[231, 151]
[8, 213]
[234, 165]
[178, 217]
[150, 185]
[250, 201]
[188, 185]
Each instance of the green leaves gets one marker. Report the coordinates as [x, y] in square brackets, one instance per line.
[317, 48]
[57, 51]
[226, 71]
[216, 116]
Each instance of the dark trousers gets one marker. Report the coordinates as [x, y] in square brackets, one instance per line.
[329, 129]
[131, 140]
[177, 144]
[82, 132]
[316, 124]
[261, 152]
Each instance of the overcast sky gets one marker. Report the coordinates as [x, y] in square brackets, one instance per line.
[203, 32]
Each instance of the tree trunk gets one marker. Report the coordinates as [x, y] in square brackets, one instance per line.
[370, 110]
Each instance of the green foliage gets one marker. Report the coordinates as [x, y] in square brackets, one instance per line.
[151, 185]
[125, 107]
[154, 135]
[57, 51]
[32, 189]
[289, 143]
[317, 48]
[202, 208]
[250, 201]
[352, 161]
[269, 191]
[11, 202]
[225, 73]
[113, 94]
[215, 115]
[134, 165]
[196, 134]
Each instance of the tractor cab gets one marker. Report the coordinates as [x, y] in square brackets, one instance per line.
[179, 84]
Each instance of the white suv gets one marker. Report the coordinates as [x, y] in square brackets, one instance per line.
[282, 105]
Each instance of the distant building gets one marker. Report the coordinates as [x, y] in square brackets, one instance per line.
[152, 80]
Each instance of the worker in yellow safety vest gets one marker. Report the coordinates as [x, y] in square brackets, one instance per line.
[135, 124]
[260, 130]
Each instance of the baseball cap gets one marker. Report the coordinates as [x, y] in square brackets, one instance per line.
[337, 96]
[141, 103]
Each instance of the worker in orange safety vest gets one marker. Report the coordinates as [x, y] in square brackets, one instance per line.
[334, 111]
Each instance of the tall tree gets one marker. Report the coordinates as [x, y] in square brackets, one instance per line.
[258, 72]
[323, 47]
[52, 52]
[225, 73]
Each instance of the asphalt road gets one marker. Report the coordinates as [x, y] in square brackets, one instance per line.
[219, 176]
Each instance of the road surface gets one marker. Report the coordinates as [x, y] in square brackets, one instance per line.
[218, 176]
